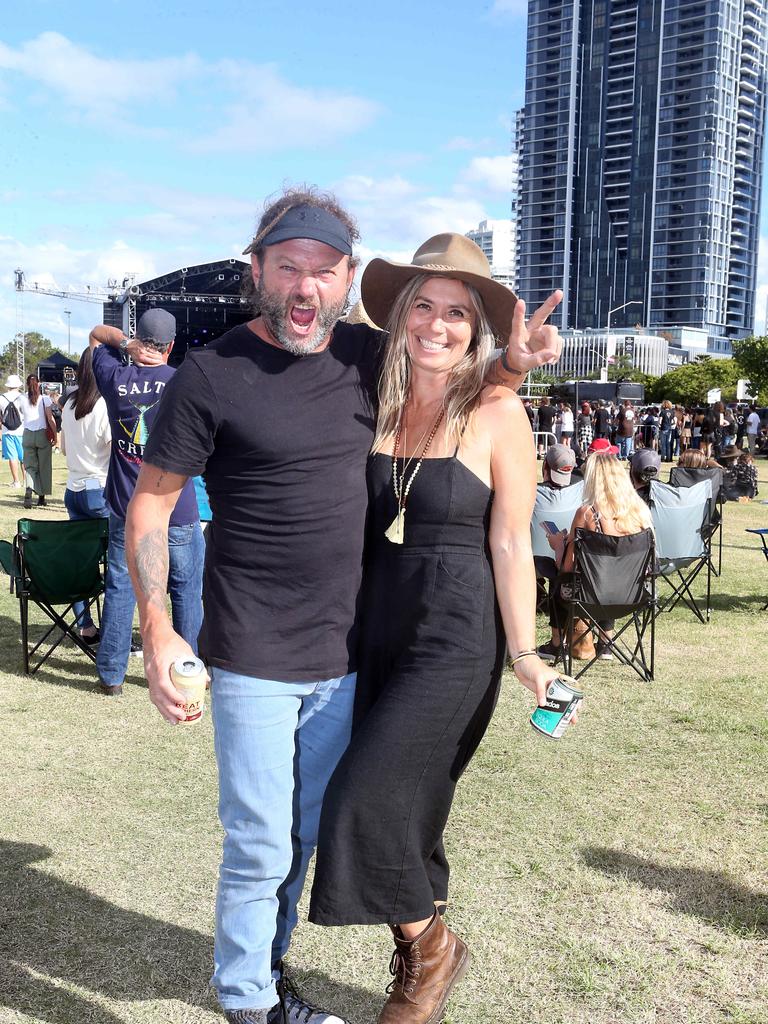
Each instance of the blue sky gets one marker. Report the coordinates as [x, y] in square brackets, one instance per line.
[140, 138]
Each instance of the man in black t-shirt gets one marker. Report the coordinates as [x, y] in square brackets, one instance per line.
[546, 419]
[286, 480]
[602, 421]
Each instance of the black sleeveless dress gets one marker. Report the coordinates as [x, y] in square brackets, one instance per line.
[428, 678]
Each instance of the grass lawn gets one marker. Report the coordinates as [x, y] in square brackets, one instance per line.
[618, 877]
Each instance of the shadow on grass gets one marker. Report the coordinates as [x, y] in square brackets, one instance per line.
[67, 666]
[735, 602]
[53, 928]
[710, 895]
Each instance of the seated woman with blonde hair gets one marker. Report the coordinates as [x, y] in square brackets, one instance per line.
[611, 506]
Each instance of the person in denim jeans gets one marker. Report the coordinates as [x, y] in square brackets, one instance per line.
[625, 434]
[86, 440]
[278, 414]
[132, 394]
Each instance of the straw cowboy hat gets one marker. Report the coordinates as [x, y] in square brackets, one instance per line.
[446, 255]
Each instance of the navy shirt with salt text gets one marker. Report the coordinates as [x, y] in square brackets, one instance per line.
[133, 394]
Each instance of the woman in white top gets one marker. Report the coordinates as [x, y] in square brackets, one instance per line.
[37, 418]
[566, 420]
[86, 441]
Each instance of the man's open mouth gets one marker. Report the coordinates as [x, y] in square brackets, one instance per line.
[303, 318]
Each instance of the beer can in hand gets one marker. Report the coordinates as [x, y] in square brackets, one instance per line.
[552, 718]
[189, 677]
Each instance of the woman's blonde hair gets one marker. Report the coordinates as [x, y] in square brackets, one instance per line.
[466, 379]
[608, 488]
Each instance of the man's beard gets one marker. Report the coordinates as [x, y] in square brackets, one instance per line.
[276, 313]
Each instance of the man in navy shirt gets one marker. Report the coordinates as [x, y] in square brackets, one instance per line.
[132, 394]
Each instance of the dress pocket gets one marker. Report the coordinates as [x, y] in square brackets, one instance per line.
[464, 569]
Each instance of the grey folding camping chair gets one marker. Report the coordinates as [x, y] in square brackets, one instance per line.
[686, 476]
[681, 520]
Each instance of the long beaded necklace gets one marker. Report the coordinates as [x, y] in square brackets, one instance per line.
[395, 532]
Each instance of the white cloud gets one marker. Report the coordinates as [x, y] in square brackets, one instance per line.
[492, 174]
[272, 113]
[94, 84]
[396, 216]
[255, 106]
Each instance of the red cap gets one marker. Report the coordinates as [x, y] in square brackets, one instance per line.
[602, 446]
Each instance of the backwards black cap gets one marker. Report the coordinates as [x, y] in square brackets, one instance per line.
[305, 221]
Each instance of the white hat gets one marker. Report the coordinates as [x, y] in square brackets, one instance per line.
[14, 381]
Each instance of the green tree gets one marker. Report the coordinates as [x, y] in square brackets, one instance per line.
[37, 348]
[689, 384]
[752, 358]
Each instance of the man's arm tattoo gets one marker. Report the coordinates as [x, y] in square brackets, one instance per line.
[152, 566]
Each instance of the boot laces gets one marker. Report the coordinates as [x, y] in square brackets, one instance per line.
[405, 974]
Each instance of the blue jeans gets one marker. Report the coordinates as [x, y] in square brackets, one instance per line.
[277, 745]
[665, 445]
[186, 552]
[626, 447]
[86, 504]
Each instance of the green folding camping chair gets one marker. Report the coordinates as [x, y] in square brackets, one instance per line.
[53, 563]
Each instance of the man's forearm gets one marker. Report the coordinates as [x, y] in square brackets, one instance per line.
[146, 548]
[104, 335]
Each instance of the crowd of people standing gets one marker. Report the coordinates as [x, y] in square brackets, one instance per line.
[667, 428]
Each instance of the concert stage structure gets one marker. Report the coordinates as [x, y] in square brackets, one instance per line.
[204, 299]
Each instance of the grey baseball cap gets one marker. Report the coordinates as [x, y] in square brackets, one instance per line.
[156, 325]
[646, 463]
[561, 461]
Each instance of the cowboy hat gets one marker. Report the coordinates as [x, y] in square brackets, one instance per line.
[447, 255]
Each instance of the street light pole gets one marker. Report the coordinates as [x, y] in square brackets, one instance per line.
[632, 302]
[68, 314]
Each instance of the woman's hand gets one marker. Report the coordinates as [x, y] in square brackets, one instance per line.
[557, 542]
[535, 675]
[535, 343]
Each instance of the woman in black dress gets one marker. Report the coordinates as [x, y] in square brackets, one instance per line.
[449, 582]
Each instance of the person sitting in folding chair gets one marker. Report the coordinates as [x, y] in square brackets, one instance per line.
[683, 527]
[557, 499]
[611, 507]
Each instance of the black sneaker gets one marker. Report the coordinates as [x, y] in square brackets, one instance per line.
[92, 640]
[111, 691]
[137, 650]
[28, 498]
[41, 502]
[548, 652]
[295, 1009]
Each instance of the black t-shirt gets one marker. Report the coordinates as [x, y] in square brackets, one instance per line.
[602, 421]
[546, 416]
[282, 442]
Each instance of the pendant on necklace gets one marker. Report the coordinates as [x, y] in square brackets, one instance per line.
[395, 532]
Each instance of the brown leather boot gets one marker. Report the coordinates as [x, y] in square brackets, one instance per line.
[425, 970]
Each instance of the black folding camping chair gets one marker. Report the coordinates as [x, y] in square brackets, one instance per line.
[613, 579]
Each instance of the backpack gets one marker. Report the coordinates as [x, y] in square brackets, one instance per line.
[11, 415]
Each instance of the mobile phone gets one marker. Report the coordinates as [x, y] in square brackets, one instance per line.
[549, 526]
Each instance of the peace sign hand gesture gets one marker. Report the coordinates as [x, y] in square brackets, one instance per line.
[535, 343]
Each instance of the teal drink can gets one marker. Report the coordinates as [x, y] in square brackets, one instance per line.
[562, 699]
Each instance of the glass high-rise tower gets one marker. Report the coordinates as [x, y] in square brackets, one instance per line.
[641, 161]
